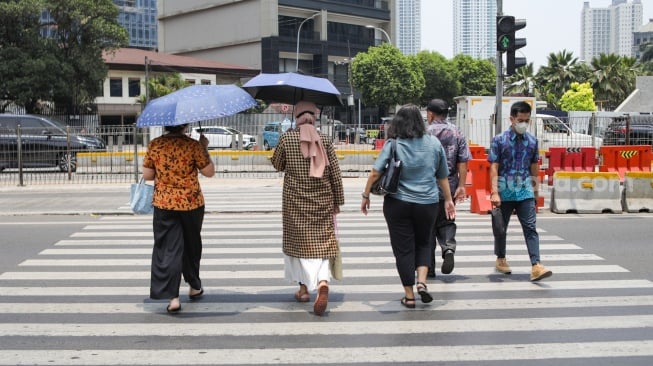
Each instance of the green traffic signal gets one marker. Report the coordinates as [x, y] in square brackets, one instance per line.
[504, 43]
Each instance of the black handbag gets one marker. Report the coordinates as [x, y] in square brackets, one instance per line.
[389, 180]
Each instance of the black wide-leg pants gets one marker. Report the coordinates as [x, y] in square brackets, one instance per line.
[410, 226]
[177, 250]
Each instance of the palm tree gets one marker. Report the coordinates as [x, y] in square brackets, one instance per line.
[613, 78]
[556, 77]
[521, 82]
[161, 85]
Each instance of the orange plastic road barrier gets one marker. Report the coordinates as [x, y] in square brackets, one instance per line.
[378, 144]
[625, 158]
[480, 188]
[478, 152]
[573, 159]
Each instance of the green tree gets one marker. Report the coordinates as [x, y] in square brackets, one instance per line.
[28, 66]
[477, 77]
[613, 79]
[553, 79]
[579, 98]
[162, 84]
[83, 30]
[440, 76]
[385, 77]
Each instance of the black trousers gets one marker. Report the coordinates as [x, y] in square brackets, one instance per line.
[444, 233]
[177, 250]
[410, 226]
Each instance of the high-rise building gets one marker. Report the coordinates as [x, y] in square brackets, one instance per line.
[609, 30]
[644, 36]
[317, 37]
[139, 17]
[474, 28]
[409, 39]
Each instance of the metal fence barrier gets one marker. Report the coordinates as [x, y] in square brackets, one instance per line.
[34, 157]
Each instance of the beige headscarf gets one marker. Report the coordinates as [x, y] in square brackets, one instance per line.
[310, 142]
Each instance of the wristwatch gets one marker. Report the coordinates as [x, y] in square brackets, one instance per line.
[365, 195]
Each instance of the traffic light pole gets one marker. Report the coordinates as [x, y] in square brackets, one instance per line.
[499, 89]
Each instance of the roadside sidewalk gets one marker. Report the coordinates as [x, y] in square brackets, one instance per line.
[113, 198]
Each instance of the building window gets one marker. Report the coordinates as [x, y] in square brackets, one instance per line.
[206, 82]
[115, 87]
[134, 87]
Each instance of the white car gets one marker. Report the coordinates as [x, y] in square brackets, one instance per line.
[551, 131]
[221, 137]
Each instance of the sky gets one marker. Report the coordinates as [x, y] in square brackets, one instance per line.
[551, 25]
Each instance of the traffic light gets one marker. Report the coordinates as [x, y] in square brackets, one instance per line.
[507, 26]
[505, 33]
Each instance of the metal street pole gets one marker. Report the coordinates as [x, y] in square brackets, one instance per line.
[382, 31]
[299, 30]
[499, 89]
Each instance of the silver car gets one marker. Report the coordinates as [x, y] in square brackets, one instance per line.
[221, 137]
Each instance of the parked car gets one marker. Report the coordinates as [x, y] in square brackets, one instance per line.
[44, 142]
[221, 137]
[639, 131]
[272, 131]
[552, 131]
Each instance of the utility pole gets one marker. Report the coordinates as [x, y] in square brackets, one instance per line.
[499, 89]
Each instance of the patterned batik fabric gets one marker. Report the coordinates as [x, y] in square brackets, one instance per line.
[176, 160]
[515, 154]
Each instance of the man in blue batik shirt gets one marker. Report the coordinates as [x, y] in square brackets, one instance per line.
[513, 174]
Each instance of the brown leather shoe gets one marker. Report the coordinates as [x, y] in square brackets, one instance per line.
[502, 266]
[539, 272]
[320, 305]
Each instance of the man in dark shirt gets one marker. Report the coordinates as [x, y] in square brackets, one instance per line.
[457, 151]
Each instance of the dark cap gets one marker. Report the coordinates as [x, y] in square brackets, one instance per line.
[438, 106]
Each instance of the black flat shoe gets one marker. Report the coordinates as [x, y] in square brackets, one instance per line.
[407, 303]
[173, 311]
[423, 292]
[197, 295]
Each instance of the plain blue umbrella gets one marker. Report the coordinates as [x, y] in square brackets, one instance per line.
[195, 103]
[291, 88]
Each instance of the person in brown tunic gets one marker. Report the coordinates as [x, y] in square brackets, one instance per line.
[173, 161]
[312, 195]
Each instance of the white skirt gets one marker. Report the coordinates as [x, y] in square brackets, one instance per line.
[307, 271]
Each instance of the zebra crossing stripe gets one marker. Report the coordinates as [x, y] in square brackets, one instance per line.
[394, 289]
[346, 246]
[334, 355]
[222, 238]
[350, 328]
[257, 274]
[206, 307]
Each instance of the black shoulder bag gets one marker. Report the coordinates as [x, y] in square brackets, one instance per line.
[389, 180]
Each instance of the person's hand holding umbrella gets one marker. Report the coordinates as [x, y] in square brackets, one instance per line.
[204, 141]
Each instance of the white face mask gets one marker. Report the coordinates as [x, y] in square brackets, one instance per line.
[521, 127]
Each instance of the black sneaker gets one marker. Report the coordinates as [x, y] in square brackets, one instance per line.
[448, 262]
